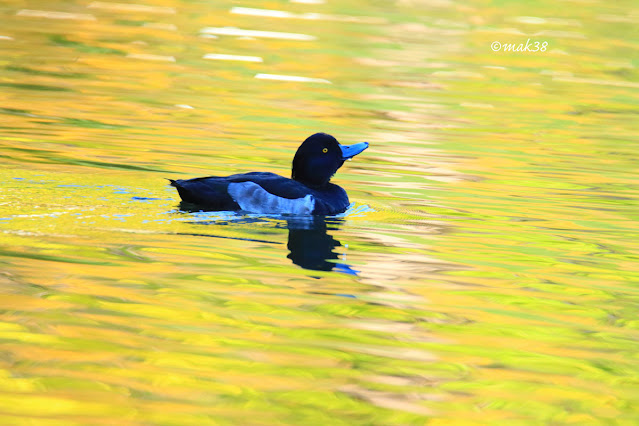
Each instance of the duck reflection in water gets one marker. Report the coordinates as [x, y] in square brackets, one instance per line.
[309, 243]
[312, 247]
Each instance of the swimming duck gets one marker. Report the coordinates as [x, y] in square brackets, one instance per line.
[307, 192]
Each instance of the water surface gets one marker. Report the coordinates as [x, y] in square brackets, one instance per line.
[486, 272]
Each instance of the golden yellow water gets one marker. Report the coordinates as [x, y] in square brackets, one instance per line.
[486, 273]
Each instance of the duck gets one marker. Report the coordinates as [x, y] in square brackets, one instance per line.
[308, 191]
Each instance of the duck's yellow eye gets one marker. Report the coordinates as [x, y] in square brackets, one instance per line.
[325, 150]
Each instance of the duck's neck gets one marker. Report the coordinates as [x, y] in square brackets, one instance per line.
[313, 185]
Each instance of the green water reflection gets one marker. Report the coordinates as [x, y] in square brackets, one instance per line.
[485, 274]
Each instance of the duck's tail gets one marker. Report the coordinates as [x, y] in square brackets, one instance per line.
[186, 193]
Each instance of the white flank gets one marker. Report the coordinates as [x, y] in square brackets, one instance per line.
[253, 198]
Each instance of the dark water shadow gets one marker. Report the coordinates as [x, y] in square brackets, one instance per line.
[310, 245]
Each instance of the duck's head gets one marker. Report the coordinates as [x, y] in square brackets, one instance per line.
[319, 157]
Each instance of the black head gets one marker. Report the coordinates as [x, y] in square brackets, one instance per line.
[319, 157]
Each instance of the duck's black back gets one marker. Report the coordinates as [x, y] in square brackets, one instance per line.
[211, 193]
